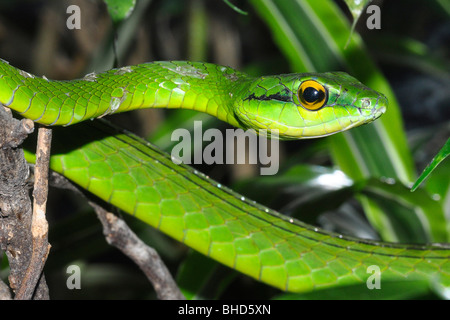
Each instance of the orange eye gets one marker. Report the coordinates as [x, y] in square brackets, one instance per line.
[312, 95]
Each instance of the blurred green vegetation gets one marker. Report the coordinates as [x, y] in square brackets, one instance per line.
[356, 183]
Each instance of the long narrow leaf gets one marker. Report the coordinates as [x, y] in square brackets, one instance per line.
[313, 35]
[442, 154]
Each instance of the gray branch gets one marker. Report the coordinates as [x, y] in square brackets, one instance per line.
[118, 234]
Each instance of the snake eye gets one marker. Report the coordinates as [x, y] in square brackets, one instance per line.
[312, 95]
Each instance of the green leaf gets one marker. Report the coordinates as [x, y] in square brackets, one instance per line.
[200, 277]
[235, 8]
[124, 33]
[445, 4]
[120, 10]
[356, 7]
[198, 31]
[410, 53]
[194, 274]
[441, 155]
[417, 217]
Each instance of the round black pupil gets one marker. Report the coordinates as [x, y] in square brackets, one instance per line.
[311, 94]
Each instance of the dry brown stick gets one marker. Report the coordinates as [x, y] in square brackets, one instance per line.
[39, 224]
[118, 234]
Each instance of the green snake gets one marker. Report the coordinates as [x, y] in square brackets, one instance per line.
[136, 177]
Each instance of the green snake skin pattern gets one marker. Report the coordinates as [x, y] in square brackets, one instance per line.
[181, 202]
[141, 180]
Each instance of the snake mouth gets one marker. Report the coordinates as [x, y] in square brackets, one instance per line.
[379, 112]
[376, 113]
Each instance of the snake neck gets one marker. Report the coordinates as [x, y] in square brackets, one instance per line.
[204, 87]
[198, 86]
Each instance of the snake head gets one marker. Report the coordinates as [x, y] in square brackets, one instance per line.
[311, 105]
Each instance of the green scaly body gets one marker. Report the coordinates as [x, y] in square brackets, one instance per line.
[136, 177]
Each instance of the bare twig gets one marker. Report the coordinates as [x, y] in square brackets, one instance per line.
[39, 225]
[118, 234]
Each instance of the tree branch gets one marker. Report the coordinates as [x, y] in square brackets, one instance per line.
[15, 205]
[118, 234]
[39, 224]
